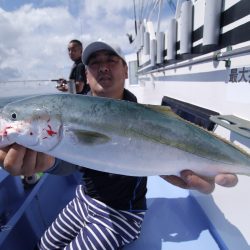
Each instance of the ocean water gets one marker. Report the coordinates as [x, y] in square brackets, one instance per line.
[6, 100]
[10, 92]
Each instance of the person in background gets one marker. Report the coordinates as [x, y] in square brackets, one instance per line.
[108, 209]
[77, 73]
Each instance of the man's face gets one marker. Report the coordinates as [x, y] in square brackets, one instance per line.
[106, 74]
[75, 51]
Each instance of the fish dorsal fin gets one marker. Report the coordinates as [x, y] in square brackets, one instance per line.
[161, 109]
[90, 137]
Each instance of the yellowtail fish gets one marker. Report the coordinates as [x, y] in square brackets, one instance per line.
[117, 136]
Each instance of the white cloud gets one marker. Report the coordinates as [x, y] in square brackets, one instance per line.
[34, 37]
[33, 41]
[107, 19]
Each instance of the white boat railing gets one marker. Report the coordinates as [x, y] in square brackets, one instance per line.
[217, 56]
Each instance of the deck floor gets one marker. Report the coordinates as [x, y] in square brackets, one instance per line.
[174, 220]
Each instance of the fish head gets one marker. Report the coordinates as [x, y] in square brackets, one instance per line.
[4, 127]
[31, 126]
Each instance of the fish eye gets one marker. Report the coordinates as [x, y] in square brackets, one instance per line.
[13, 116]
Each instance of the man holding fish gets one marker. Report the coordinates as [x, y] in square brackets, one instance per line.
[108, 209]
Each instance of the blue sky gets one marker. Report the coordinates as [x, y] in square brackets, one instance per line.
[35, 33]
[13, 5]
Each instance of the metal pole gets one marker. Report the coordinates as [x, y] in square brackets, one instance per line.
[135, 19]
[159, 17]
[221, 56]
[233, 53]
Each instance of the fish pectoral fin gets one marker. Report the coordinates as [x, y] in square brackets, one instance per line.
[91, 137]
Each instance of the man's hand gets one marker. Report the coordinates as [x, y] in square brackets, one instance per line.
[62, 85]
[18, 160]
[189, 180]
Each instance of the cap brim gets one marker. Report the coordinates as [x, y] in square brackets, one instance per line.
[98, 46]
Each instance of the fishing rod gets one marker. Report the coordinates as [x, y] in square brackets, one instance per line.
[71, 84]
[135, 19]
[41, 80]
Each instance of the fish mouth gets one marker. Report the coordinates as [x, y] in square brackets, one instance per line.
[4, 140]
[1, 140]
[3, 135]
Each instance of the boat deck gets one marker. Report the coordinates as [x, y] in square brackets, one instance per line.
[26, 213]
[174, 219]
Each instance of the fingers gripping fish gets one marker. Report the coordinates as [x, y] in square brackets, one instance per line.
[117, 136]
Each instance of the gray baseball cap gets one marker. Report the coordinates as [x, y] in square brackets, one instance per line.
[97, 46]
